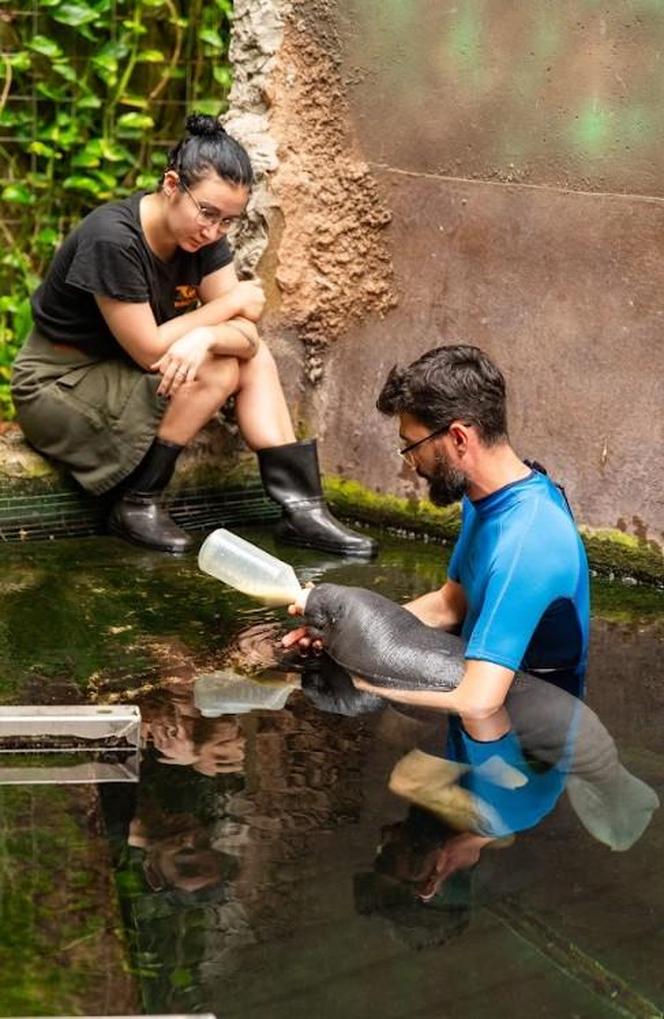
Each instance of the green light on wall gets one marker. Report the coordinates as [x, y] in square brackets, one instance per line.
[592, 128]
[464, 42]
[656, 5]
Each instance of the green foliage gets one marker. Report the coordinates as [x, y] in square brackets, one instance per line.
[92, 95]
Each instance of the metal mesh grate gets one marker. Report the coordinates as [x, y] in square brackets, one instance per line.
[70, 514]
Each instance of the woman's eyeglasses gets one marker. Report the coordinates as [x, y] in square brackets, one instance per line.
[209, 217]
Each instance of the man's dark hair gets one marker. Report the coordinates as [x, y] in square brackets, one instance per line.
[452, 383]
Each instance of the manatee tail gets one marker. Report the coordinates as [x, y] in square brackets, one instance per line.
[617, 813]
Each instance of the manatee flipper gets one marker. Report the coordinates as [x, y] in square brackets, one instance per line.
[617, 812]
[330, 688]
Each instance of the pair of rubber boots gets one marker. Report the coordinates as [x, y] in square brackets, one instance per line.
[290, 476]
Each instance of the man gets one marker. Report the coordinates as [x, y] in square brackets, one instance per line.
[517, 585]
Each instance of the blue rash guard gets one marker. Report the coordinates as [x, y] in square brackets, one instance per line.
[524, 573]
[510, 789]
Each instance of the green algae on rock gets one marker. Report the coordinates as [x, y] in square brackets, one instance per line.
[609, 551]
[351, 499]
[613, 551]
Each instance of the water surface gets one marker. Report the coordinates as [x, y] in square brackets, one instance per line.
[240, 874]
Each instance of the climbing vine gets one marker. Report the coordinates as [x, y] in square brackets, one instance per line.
[92, 95]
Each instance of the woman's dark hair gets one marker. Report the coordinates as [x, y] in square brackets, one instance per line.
[208, 149]
[454, 383]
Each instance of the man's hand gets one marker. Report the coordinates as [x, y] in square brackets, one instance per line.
[458, 853]
[301, 636]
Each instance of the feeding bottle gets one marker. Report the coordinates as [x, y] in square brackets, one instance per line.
[249, 569]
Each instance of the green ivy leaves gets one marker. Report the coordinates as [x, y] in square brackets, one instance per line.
[134, 122]
[92, 93]
[18, 194]
[47, 47]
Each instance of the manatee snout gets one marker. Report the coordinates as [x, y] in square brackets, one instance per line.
[324, 609]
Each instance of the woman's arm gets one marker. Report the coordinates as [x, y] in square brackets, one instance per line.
[135, 329]
[223, 298]
[237, 338]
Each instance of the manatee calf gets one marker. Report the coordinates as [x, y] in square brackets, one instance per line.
[381, 641]
[373, 637]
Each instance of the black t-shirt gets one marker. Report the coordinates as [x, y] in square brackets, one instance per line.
[107, 254]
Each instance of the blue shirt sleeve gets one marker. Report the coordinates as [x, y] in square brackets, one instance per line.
[533, 566]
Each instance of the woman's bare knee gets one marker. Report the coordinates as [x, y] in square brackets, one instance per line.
[220, 374]
[261, 364]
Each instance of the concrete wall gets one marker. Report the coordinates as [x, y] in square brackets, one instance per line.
[485, 171]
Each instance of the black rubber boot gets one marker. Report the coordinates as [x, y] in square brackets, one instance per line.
[138, 515]
[291, 477]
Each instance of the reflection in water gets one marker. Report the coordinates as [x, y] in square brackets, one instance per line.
[176, 846]
[246, 862]
[420, 860]
[554, 742]
[218, 856]
[182, 736]
[470, 794]
[206, 852]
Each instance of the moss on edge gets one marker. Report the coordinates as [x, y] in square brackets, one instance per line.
[609, 551]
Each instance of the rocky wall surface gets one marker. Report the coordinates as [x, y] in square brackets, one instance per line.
[476, 173]
[316, 193]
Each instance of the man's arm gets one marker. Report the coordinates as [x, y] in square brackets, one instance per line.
[478, 698]
[444, 608]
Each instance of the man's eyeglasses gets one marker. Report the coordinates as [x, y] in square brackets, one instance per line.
[407, 452]
[209, 217]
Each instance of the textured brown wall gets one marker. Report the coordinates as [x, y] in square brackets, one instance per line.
[565, 292]
[566, 93]
[512, 154]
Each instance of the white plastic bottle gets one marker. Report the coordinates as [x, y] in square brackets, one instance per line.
[249, 569]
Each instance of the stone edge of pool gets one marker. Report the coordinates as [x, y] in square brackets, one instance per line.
[217, 466]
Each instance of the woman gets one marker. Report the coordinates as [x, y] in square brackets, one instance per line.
[143, 331]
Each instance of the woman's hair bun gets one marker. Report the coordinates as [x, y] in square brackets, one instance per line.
[204, 126]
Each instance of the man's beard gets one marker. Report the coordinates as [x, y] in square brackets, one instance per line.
[446, 484]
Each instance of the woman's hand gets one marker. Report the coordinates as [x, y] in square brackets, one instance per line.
[249, 300]
[182, 360]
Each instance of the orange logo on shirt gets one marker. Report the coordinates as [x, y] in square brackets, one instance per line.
[185, 297]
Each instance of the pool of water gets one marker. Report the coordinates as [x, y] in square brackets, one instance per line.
[261, 863]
